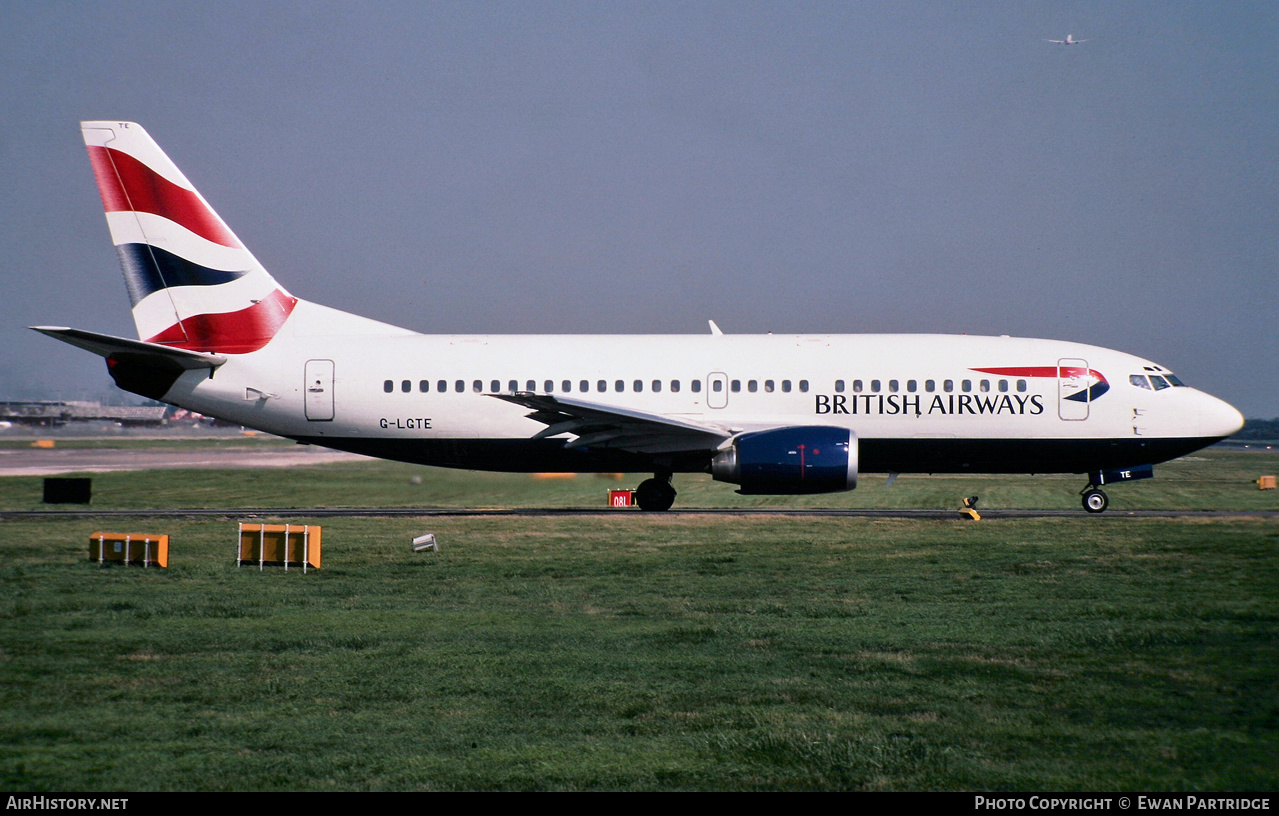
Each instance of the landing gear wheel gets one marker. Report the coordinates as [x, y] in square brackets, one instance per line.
[655, 494]
[1095, 501]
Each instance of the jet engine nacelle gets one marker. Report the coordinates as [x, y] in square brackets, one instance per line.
[806, 459]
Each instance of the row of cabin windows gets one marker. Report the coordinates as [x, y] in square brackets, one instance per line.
[584, 386]
[753, 386]
[930, 386]
[735, 386]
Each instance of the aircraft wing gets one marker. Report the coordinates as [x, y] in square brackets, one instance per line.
[104, 345]
[603, 426]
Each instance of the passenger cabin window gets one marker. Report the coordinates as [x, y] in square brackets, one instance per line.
[768, 386]
[619, 386]
[477, 386]
[948, 386]
[442, 386]
[675, 386]
[513, 386]
[548, 386]
[601, 386]
[495, 386]
[857, 386]
[803, 386]
[424, 386]
[785, 386]
[388, 386]
[459, 386]
[696, 385]
[584, 386]
[657, 386]
[752, 386]
[637, 386]
[839, 386]
[566, 386]
[737, 386]
[406, 386]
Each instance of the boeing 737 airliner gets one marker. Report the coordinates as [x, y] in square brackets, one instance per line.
[769, 413]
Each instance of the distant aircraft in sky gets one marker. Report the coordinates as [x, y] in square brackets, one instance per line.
[1070, 40]
[782, 414]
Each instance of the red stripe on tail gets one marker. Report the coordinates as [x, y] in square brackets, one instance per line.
[128, 185]
[231, 332]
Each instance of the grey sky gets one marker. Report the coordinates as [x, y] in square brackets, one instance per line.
[641, 167]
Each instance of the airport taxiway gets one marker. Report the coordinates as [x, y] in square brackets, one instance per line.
[564, 512]
[57, 461]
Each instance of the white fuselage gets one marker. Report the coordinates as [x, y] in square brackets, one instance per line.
[339, 380]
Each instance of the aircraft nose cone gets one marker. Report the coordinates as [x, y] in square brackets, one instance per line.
[1220, 418]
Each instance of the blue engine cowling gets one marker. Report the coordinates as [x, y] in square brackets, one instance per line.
[806, 459]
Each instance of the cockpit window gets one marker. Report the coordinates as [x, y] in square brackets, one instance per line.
[1157, 382]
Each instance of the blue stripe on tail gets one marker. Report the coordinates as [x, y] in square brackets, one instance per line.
[149, 269]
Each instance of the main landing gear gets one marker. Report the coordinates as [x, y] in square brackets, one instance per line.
[655, 493]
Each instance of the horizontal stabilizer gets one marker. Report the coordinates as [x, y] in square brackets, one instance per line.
[104, 345]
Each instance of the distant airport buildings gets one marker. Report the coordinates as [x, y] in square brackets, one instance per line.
[57, 413]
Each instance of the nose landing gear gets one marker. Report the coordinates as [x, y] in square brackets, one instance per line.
[1095, 499]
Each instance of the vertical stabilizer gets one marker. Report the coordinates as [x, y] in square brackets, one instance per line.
[192, 284]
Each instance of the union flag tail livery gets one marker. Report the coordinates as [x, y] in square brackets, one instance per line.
[769, 413]
[192, 284]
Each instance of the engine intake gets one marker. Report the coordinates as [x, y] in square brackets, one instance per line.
[804, 459]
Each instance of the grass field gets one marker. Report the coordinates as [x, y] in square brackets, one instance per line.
[636, 651]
